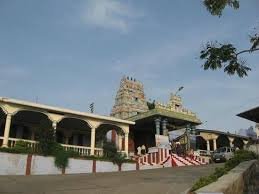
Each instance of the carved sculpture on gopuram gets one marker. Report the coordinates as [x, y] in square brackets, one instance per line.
[130, 99]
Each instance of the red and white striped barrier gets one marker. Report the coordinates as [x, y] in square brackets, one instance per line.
[163, 158]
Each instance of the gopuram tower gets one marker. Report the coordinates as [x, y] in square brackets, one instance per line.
[130, 99]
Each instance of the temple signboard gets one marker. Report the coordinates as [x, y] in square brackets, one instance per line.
[162, 141]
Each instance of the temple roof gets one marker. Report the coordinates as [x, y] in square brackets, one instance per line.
[252, 114]
[176, 117]
[222, 133]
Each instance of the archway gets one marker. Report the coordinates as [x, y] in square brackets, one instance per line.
[2, 125]
[74, 131]
[238, 142]
[25, 124]
[201, 143]
[222, 141]
[102, 134]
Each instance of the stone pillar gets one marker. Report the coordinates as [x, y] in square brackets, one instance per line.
[120, 142]
[67, 135]
[92, 141]
[157, 123]
[32, 134]
[54, 125]
[208, 145]
[66, 140]
[127, 144]
[7, 130]
[214, 144]
[19, 132]
[164, 123]
[84, 140]
[75, 139]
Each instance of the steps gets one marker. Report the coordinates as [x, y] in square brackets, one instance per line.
[164, 159]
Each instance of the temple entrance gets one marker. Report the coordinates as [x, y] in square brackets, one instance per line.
[238, 142]
[222, 141]
[201, 143]
[116, 133]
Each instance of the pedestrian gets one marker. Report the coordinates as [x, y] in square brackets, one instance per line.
[143, 149]
[139, 150]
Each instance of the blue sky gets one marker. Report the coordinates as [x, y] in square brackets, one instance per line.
[71, 53]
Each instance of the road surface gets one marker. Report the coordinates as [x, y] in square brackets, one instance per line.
[164, 181]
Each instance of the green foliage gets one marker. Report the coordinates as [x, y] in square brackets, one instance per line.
[46, 137]
[73, 154]
[218, 55]
[61, 159]
[203, 181]
[110, 152]
[11, 150]
[22, 147]
[244, 155]
[219, 172]
[239, 156]
[216, 7]
[254, 39]
[109, 149]
[118, 159]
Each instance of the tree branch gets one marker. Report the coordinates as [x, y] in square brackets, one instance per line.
[248, 50]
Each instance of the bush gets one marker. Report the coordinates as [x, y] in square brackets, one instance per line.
[109, 149]
[12, 150]
[245, 155]
[203, 181]
[45, 135]
[220, 172]
[239, 156]
[111, 153]
[118, 159]
[61, 159]
[73, 154]
[22, 147]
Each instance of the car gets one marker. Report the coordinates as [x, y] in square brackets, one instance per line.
[223, 154]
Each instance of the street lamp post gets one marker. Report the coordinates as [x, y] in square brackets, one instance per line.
[179, 89]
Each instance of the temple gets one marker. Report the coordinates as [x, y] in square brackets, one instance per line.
[153, 120]
[133, 122]
[130, 99]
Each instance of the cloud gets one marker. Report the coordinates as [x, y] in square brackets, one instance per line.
[168, 54]
[110, 14]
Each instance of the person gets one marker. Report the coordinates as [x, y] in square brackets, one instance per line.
[143, 149]
[178, 149]
[139, 150]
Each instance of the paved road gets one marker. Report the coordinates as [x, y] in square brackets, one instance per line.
[164, 181]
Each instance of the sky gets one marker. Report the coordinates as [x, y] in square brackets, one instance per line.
[71, 53]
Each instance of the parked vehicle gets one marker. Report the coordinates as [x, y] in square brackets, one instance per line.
[223, 154]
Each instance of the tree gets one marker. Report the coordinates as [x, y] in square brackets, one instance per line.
[46, 137]
[227, 56]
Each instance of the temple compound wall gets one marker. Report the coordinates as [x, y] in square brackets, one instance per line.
[22, 164]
